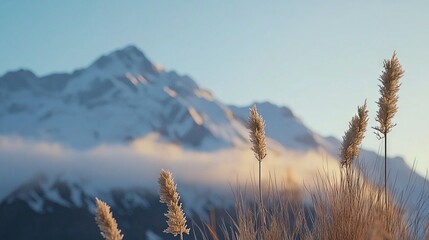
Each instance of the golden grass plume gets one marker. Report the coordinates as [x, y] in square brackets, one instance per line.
[168, 195]
[353, 136]
[106, 223]
[388, 100]
[256, 126]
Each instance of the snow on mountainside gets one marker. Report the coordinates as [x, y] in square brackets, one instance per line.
[123, 89]
[107, 130]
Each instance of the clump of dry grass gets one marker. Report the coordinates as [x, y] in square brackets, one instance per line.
[106, 222]
[353, 136]
[353, 208]
[168, 195]
[341, 208]
[283, 218]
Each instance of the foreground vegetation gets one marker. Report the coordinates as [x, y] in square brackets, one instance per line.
[348, 206]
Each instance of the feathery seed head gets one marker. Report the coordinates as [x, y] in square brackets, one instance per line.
[256, 126]
[106, 223]
[353, 136]
[387, 103]
[168, 195]
[167, 190]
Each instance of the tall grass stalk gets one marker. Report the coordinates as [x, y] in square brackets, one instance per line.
[387, 104]
[352, 139]
[256, 126]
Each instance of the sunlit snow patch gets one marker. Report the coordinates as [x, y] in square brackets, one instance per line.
[195, 116]
[204, 94]
[132, 79]
[142, 79]
[170, 92]
[158, 67]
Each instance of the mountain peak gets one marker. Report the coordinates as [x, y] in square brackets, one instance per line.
[129, 51]
[17, 80]
[20, 73]
[127, 58]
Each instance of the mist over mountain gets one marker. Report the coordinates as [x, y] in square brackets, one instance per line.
[106, 130]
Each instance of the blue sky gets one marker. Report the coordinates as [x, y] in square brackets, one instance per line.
[321, 60]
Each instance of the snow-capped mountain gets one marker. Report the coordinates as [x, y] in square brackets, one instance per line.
[123, 89]
[106, 130]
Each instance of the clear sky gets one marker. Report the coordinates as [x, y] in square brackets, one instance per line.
[321, 60]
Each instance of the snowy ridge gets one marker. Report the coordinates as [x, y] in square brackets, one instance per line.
[71, 191]
[123, 84]
[65, 190]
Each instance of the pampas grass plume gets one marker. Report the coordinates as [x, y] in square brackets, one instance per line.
[387, 103]
[106, 223]
[257, 134]
[168, 195]
[353, 136]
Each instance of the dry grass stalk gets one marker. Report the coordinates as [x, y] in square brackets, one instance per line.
[257, 138]
[353, 136]
[387, 104]
[168, 195]
[106, 223]
[256, 126]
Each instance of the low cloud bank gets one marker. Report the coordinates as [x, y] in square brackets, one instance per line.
[138, 164]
